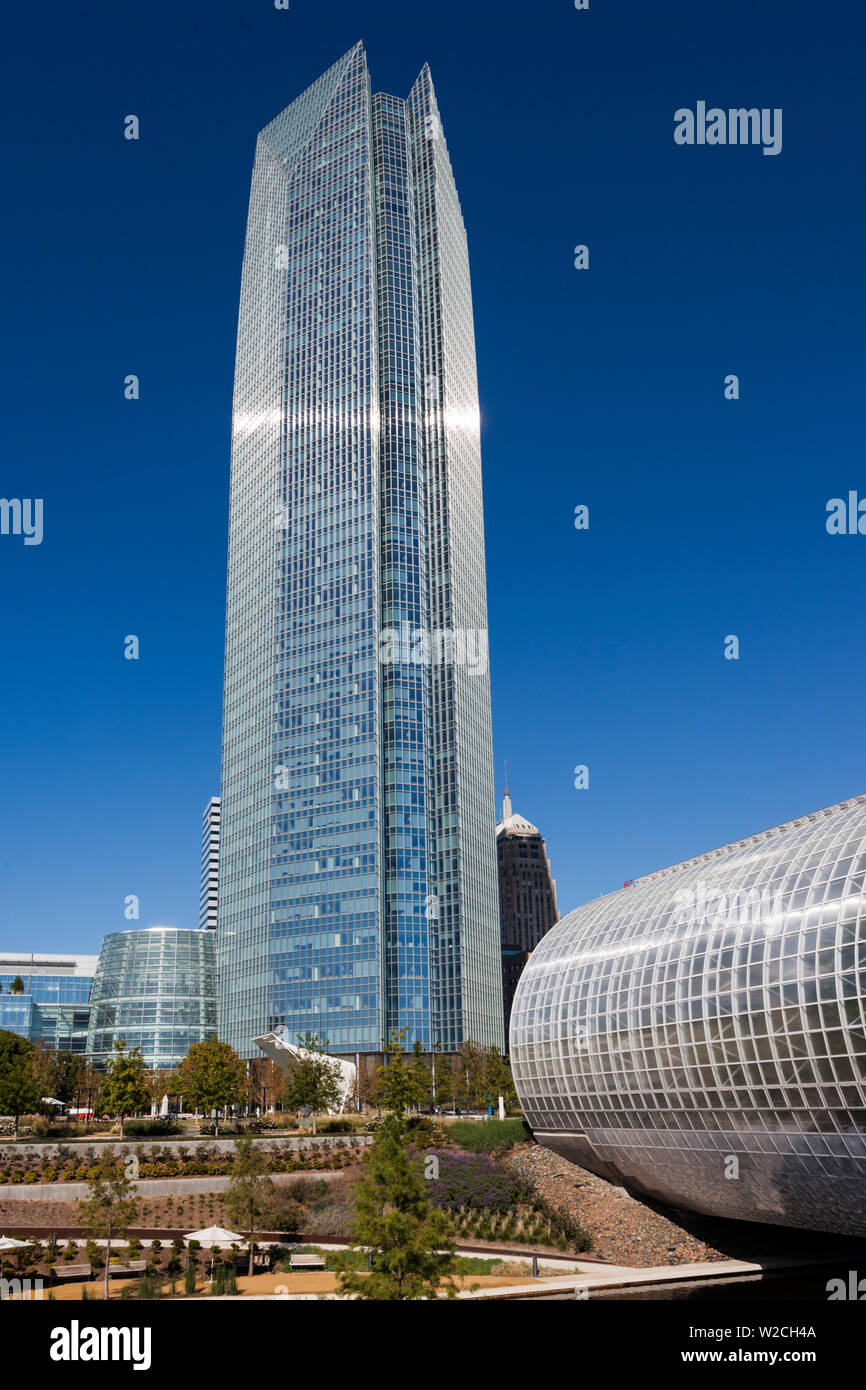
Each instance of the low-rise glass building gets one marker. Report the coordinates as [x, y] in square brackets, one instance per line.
[700, 1035]
[155, 988]
[52, 1004]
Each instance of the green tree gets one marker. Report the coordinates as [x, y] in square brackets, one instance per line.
[70, 1069]
[124, 1089]
[20, 1089]
[400, 1082]
[454, 1082]
[499, 1079]
[410, 1240]
[212, 1076]
[423, 1075]
[17, 986]
[110, 1206]
[250, 1194]
[473, 1060]
[314, 1082]
[486, 1075]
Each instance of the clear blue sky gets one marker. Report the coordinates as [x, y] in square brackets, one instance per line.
[602, 387]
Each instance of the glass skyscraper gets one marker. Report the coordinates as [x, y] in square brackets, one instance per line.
[357, 877]
[210, 850]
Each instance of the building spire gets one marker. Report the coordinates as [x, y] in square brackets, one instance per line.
[506, 804]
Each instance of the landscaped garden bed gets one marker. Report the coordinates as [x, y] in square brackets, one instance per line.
[174, 1161]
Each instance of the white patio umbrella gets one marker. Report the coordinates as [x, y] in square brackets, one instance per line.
[9, 1243]
[215, 1235]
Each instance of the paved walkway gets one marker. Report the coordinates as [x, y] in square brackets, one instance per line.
[620, 1277]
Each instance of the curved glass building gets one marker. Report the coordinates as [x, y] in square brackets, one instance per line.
[154, 988]
[699, 1035]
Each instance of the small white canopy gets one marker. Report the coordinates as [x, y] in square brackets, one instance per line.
[9, 1243]
[215, 1235]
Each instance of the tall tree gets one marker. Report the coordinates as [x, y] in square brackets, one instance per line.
[70, 1069]
[160, 1081]
[500, 1082]
[212, 1076]
[367, 1083]
[43, 1062]
[400, 1083]
[410, 1240]
[250, 1194]
[20, 1090]
[486, 1075]
[125, 1086]
[314, 1082]
[266, 1083]
[454, 1082]
[423, 1076]
[17, 986]
[110, 1207]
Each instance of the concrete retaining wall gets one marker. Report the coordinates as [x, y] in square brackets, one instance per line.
[146, 1187]
[99, 1146]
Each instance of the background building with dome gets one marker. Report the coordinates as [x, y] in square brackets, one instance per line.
[527, 897]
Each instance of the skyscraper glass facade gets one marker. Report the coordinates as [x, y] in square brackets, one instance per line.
[155, 988]
[701, 1034]
[357, 869]
[210, 850]
[54, 1006]
[527, 896]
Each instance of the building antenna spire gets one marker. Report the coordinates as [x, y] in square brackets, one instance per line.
[506, 804]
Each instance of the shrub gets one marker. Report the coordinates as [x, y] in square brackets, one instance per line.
[565, 1230]
[150, 1285]
[225, 1279]
[425, 1133]
[339, 1125]
[306, 1190]
[489, 1136]
[160, 1124]
[473, 1181]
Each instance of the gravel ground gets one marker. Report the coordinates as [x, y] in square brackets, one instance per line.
[627, 1230]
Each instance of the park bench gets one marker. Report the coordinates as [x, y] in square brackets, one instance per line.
[307, 1262]
[134, 1267]
[72, 1271]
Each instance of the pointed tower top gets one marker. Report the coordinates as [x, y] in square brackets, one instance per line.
[506, 804]
[287, 134]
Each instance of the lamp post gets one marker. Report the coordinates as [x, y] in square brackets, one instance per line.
[435, 1049]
